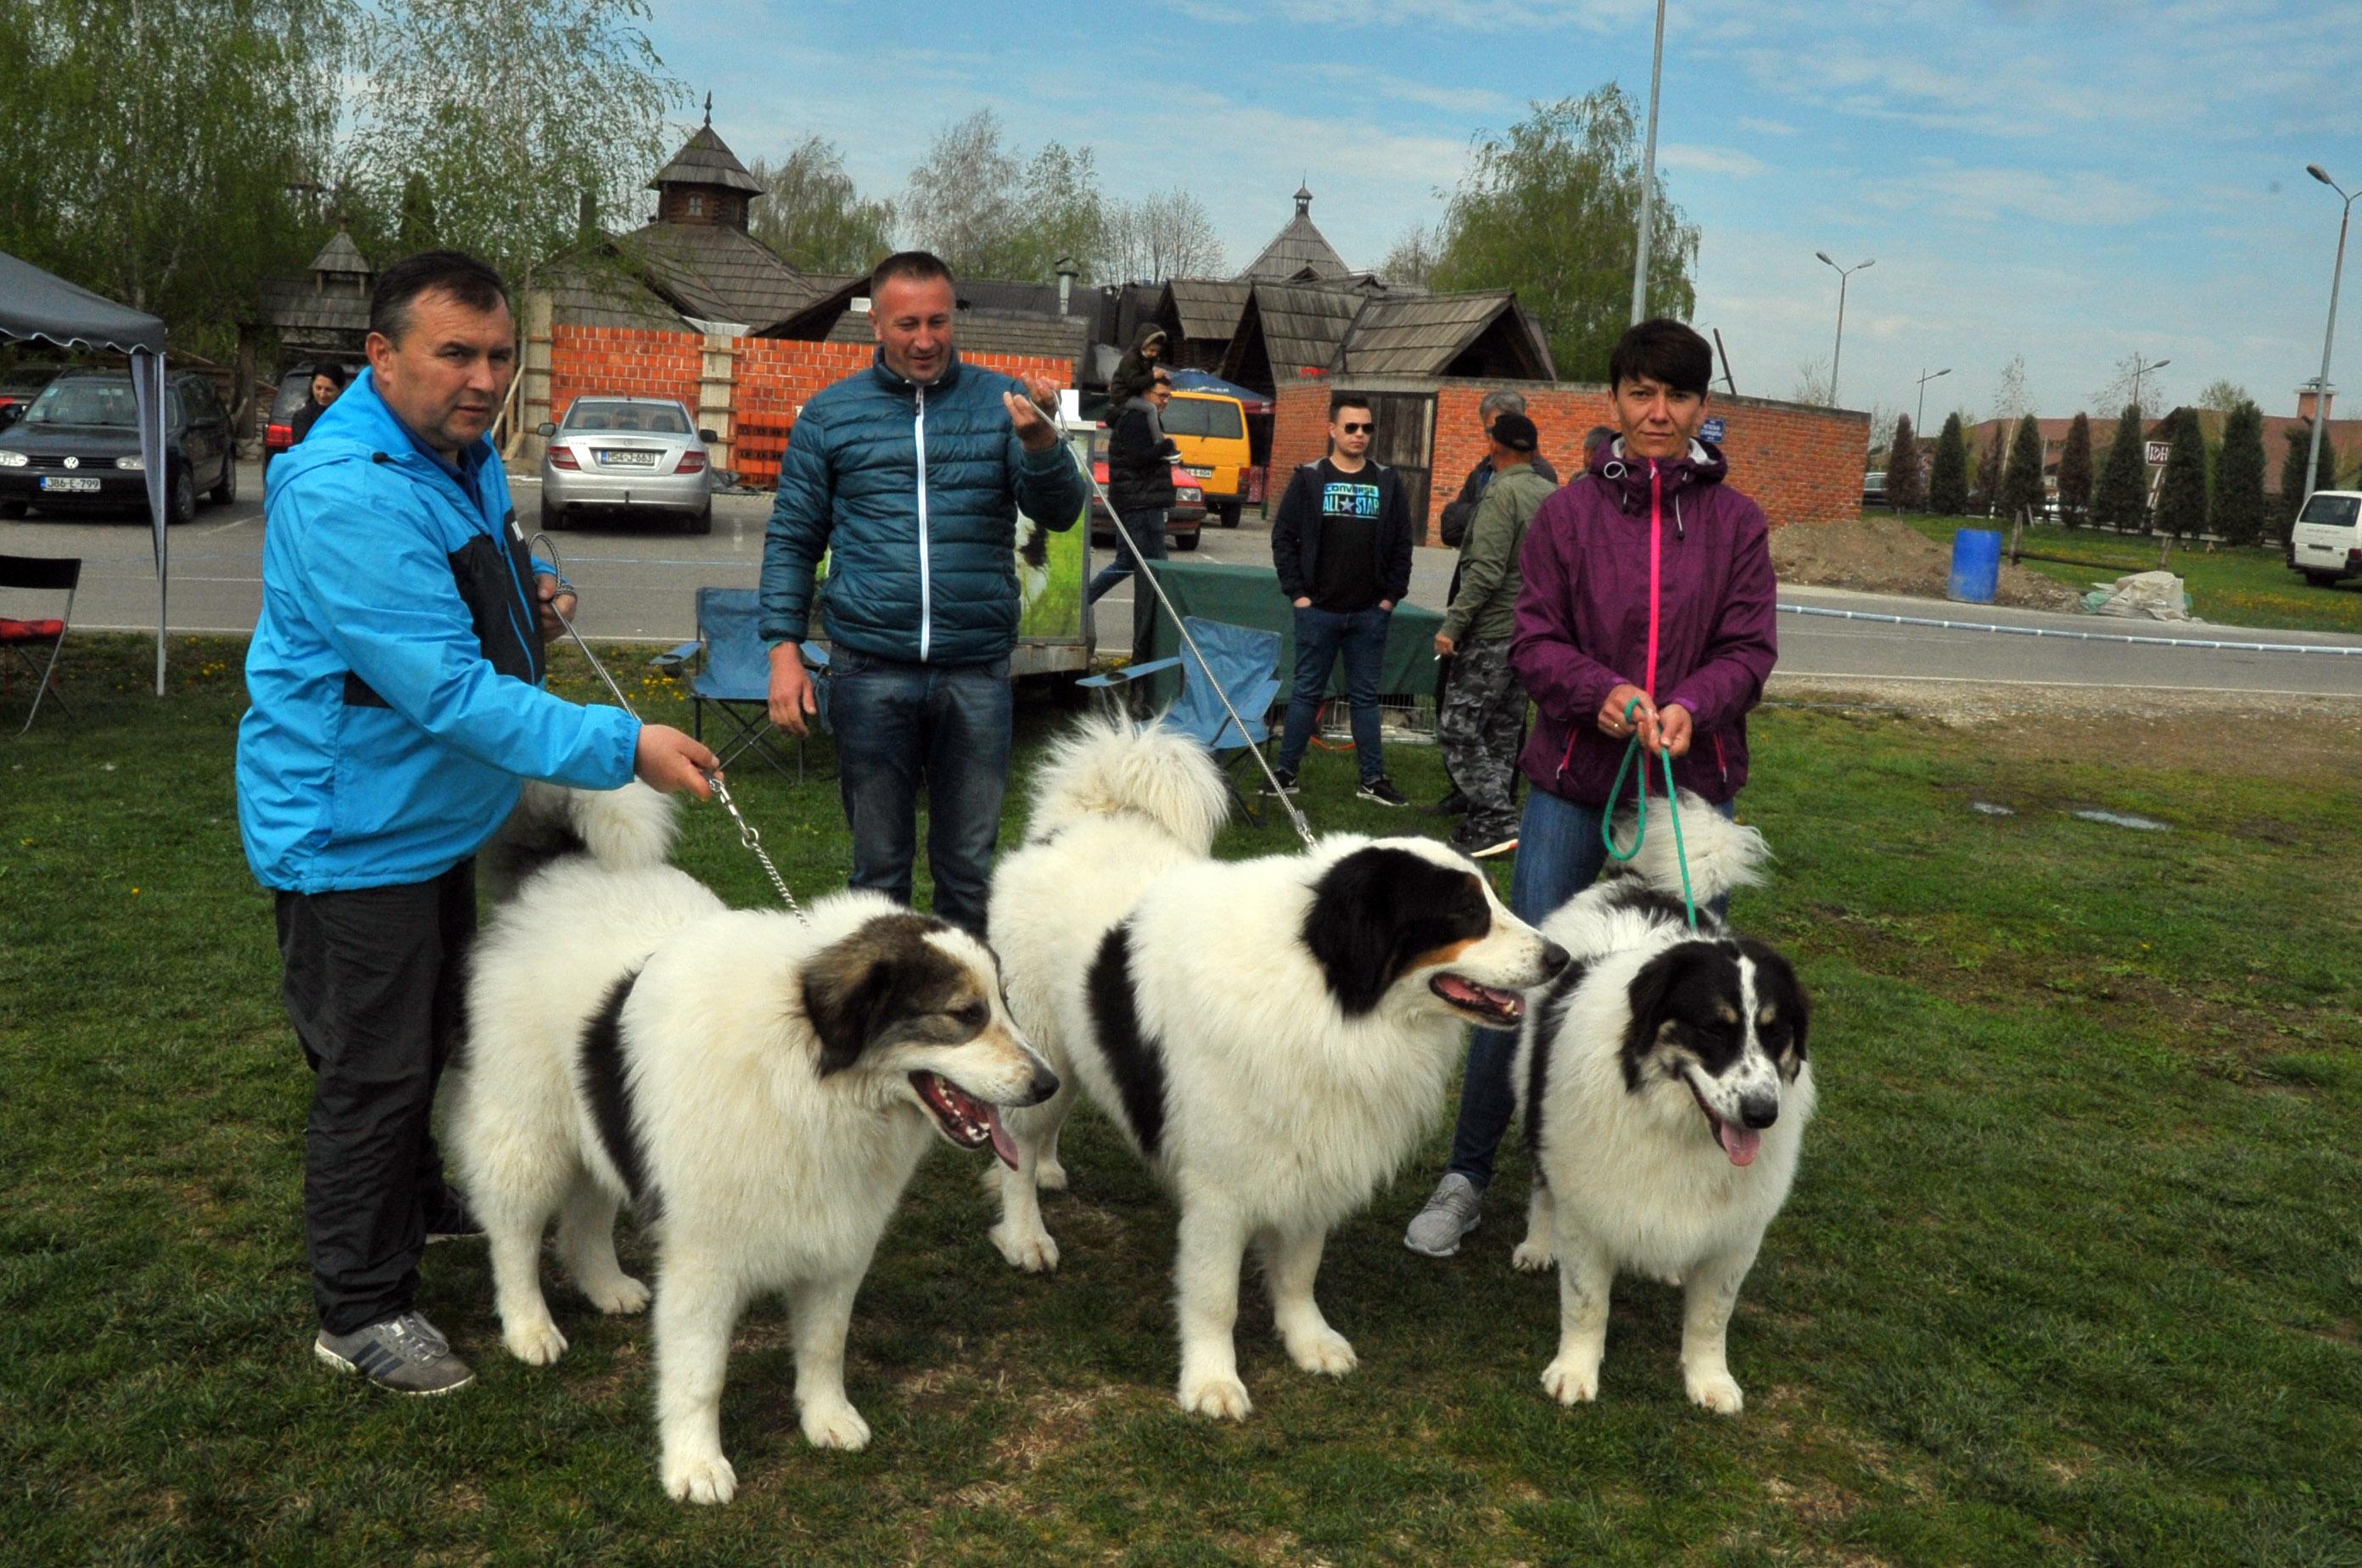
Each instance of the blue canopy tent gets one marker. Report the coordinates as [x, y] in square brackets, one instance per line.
[35, 304]
[1205, 381]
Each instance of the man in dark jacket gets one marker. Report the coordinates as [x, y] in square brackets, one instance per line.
[1647, 608]
[1140, 485]
[909, 476]
[1454, 526]
[1341, 543]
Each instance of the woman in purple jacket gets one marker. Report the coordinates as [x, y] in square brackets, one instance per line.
[1649, 579]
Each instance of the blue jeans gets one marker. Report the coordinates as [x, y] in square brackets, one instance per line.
[1148, 528]
[1320, 636]
[896, 725]
[1559, 855]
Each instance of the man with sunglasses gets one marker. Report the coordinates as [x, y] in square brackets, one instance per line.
[1341, 542]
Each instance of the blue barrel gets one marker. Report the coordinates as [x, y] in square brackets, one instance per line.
[1976, 566]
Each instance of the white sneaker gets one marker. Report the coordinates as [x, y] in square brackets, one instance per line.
[1453, 1211]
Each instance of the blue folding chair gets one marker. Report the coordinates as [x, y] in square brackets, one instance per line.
[1245, 661]
[734, 675]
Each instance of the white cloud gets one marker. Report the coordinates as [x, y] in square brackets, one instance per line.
[1698, 160]
[1765, 128]
[1989, 196]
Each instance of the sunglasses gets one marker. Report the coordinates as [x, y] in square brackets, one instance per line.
[1357, 429]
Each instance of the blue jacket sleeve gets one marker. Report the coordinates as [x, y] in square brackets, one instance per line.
[384, 599]
[802, 516]
[1049, 488]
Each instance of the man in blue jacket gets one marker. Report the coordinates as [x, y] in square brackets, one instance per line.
[910, 476]
[395, 681]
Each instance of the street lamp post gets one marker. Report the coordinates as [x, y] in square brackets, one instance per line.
[1925, 377]
[2321, 387]
[1838, 352]
[2142, 369]
[1648, 178]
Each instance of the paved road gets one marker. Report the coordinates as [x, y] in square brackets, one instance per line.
[640, 585]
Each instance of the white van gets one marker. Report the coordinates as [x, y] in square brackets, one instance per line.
[2327, 544]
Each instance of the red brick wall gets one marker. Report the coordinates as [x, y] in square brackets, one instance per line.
[776, 377]
[1802, 465]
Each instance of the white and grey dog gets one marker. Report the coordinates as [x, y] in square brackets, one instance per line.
[1665, 1091]
[1273, 1036]
[758, 1087]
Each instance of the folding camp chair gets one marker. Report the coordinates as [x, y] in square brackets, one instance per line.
[1245, 660]
[734, 675]
[25, 638]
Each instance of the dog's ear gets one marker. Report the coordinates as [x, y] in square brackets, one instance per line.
[1378, 910]
[1646, 1002]
[1777, 986]
[851, 986]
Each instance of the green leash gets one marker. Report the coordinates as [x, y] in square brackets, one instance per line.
[1608, 819]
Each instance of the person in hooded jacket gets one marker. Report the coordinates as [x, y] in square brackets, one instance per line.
[394, 684]
[1647, 608]
[1136, 371]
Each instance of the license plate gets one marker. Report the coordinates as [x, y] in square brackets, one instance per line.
[1201, 473]
[628, 460]
[53, 482]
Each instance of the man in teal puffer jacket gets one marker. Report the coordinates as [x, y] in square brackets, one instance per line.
[395, 683]
[910, 476]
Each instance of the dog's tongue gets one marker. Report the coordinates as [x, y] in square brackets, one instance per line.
[1005, 1146]
[1739, 1143]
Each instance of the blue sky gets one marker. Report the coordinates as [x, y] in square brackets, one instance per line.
[2073, 182]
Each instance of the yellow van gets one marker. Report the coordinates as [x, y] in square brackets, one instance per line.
[1211, 429]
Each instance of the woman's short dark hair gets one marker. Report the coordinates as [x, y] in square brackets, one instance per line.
[918, 266]
[335, 373]
[1663, 350]
[472, 282]
[1339, 402]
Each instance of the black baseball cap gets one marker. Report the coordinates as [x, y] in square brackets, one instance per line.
[1516, 432]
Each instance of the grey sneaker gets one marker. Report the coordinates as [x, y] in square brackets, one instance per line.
[1451, 1212]
[407, 1354]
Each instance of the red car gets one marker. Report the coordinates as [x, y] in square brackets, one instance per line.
[1182, 524]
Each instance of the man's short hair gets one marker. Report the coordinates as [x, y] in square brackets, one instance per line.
[916, 266]
[1341, 401]
[1498, 403]
[472, 282]
[1663, 350]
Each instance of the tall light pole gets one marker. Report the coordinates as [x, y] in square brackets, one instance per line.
[2321, 387]
[1925, 377]
[2140, 368]
[1648, 178]
[1838, 352]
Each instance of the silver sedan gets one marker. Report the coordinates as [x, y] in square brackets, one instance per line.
[628, 455]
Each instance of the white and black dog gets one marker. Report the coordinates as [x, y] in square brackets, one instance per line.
[759, 1087]
[1273, 1036]
[1665, 1091]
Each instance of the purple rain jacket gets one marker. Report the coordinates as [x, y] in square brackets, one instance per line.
[1583, 618]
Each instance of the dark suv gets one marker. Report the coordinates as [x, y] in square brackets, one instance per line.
[77, 448]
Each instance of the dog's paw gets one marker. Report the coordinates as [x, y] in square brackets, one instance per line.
[536, 1344]
[1716, 1391]
[708, 1479]
[1570, 1382]
[1223, 1398]
[1035, 1254]
[623, 1295]
[1533, 1257]
[1325, 1351]
[836, 1424]
[1050, 1176]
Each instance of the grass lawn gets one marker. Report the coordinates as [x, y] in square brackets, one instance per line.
[2070, 1273]
[2229, 587]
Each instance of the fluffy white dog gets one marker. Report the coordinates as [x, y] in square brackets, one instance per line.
[1273, 1036]
[1665, 1091]
[758, 1085]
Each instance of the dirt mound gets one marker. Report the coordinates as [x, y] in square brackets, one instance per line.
[1881, 555]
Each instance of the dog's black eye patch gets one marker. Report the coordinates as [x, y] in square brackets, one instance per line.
[1780, 994]
[1378, 910]
[1693, 986]
[884, 983]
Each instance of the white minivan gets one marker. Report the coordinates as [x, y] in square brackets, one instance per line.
[2326, 542]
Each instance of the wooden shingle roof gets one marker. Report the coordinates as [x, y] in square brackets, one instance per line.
[1301, 326]
[979, 331]
[1207, 308]
[705, 160]
[341, 255]
[1481, 334]
[1298, 252]
[718, 272]
[595, 295]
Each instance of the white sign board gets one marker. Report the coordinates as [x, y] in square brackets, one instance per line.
[2158, 452]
